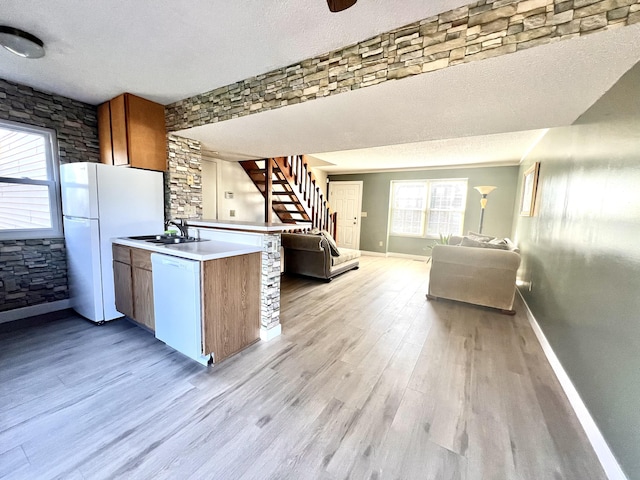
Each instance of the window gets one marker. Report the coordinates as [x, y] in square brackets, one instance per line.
[428, 207]
[29, 188]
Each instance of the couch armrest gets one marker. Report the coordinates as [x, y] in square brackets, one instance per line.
[477, 257]
[481, 276]
[306, 254]
[301, 241]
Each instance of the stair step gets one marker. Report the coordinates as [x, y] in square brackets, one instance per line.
[273, 182]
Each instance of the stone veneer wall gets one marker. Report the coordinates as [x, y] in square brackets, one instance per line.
[270, 282]
[75, 123]
[32, 272]
[35, 271]
[183, 180]
[480, 30]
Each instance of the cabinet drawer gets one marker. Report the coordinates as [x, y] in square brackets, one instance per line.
[122, 254]
[141, 258]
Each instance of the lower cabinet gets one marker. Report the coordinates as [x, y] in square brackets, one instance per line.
[229, 289]
[143, 297]
[134, 284]
[231, 304]
[123, 284]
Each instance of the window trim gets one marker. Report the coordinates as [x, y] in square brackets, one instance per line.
[426, 211]
[53, 184]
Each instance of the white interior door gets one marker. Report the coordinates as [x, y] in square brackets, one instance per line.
[346, 200]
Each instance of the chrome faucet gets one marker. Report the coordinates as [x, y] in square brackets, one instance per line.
[184, 230]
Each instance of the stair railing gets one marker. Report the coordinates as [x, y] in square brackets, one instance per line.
[311, 193]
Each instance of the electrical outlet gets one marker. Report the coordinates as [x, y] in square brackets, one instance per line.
[380, 243]
[232, 213]
[190, 180]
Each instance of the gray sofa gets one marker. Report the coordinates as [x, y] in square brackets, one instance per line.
[310, 255]
[482, 276]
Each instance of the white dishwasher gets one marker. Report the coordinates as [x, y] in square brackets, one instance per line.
[176, 302]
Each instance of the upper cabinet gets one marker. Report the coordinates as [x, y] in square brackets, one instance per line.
[132, 133]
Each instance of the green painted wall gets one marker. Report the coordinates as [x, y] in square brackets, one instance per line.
[498, 217]
[581, 257]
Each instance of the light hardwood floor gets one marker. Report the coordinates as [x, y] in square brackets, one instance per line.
[369, 380]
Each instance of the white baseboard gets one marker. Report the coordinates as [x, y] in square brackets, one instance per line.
[372, 254]
[407, 255]
[25, 312]
[267, 334]
[605, 455]
[396, 255]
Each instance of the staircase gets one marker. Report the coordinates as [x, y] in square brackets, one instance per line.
[291, 192]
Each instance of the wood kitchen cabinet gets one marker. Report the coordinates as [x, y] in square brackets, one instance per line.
[122, 281]
[134, 284]
[231, 304]
[132, 133]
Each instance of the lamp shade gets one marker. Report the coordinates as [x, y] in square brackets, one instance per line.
[485, 189]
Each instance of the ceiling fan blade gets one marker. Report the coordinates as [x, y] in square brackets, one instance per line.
[340, 5]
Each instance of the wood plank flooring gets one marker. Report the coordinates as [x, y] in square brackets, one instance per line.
[368, 381]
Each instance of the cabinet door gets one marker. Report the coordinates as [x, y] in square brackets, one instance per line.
[123, 288]
[119, 131]
[143, 298]
[104, 133]
[231, 304]
[147, 139]
[121, 253]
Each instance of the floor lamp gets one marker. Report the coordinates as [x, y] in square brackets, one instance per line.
[484, 191]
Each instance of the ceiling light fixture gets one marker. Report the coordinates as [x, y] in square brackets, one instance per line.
[21, 43]
[340, 5]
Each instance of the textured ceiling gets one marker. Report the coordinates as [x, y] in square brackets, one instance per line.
[168, 50]
[498, 149]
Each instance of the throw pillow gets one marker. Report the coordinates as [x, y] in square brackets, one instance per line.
[332, 243]
[470, 242]
[479, 237]
[497, 243]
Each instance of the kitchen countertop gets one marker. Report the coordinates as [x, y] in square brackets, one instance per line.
[201, 251]
[257, 227]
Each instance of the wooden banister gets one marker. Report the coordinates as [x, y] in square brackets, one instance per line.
[295, 181]
[268, 190]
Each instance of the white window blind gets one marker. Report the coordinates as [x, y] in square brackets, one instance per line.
[29, 189]
[428, 207]
[408, 208]
[447, 199]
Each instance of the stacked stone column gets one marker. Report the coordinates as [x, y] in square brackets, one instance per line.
[270, 284]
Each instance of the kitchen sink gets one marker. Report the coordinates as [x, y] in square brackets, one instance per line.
[165, 239]
[145, 237]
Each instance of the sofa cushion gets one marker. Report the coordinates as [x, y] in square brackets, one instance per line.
[480, 237]
[346, 255]
[332, 243]
[469, 242]
[485, 241]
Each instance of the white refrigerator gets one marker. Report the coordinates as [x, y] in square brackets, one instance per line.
[100, 202]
